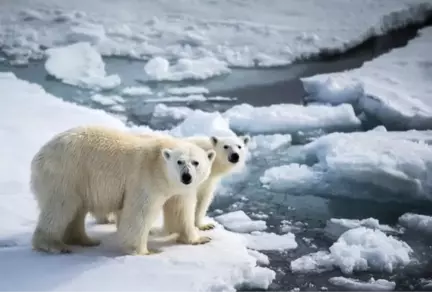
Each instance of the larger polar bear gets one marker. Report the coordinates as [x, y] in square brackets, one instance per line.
[98, 169]
[230, 155]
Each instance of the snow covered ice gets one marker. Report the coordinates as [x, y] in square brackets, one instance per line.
[240, 222]
[225, 268]
[417, 222]
[394, 88]
[81, 65]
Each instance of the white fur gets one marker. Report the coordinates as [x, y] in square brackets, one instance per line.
[105, 170]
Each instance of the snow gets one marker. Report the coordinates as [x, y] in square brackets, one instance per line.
[221, 265]
[188, 90]
[394, 88]
[238, 221]
[335, 227]
[137, 90]
[357, 285]
[358, 249]
[398, 164]
[238, 33]
[160, 69]
[80, 64]
[288, 118]
[417, 222]
[189, 98]
[179, 113]
[259, 240]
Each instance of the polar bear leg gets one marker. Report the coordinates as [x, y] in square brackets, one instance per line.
[54, 218]
[179, 217]
[75, 233]
[136, 222]
[204, 199]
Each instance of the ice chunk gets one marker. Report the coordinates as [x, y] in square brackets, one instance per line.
[188, 90]
[357, 285]
[199, 123]
[417, 222]
[159, 69]
[393, 88]
[362, 249]
[81, 65]
[261, 258]
[335, 227]
[107, 99]
[238, 221]
[358, 249]
[270, 241]
[137, 90]
[225, 263]
[396, 164]
[318, 262]
[288, 118]
[178, 113]
[261, 143]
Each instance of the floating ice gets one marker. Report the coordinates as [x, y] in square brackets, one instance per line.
[81, 65]
[357, 285]
[137, 90]
[238, 221]
[188, 90]
[417, 222]
[159, 69]
[224, 263]
[270, 241]
[358, 249]
[398, 164]
[335, 227]
[394, 88]
[290, 118]
[107, 99]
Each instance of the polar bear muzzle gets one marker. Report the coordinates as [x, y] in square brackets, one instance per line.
[186, 178]
[234, 158]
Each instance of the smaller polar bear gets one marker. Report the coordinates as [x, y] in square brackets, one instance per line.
[104, 170]
[230, 155]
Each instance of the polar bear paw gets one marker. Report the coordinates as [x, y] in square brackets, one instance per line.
[206, 227]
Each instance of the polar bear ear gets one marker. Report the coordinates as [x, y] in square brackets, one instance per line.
[211, 154]
[246, 139]
[214, 140]
[166, 153]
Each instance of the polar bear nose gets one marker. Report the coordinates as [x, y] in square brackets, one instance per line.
[234, 158]
[186, 178]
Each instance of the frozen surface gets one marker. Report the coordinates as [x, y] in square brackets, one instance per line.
[160, 69]
[137, 90]
[107, 99]
[357, 285]
[335, 227]
[259, 240]
[395, 88]
[80, 64]
[188, 90]
[239, 33]
[220, 265]
[188, 98]
[417, 222]
[398, 164]
[290, 118]
[358, 249]
[238, 221]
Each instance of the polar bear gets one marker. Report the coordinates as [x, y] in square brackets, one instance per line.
[230, 155]
[98, 169]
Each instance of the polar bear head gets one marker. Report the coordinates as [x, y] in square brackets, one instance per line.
[188, 165]
[230, 151]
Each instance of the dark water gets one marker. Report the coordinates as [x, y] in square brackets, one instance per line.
[259, 88]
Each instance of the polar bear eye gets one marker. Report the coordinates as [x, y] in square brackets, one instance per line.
[239, 147]
[179, 162]
[195, 163]
[226, 147]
